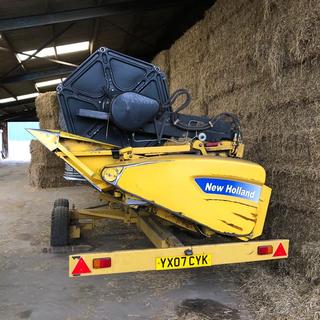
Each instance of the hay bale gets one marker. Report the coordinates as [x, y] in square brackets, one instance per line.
[298, 225]
[162, 60]
[46, 169]
[41, 155]
[42, 176]
[223, 12]
[227, 67]
[291, 149]
[287, 119]
[311, 255]
[291, 184]
[186, 56]
[279, 297]
[47, 108]
[299, 88]
[288, 35]
[260, 60]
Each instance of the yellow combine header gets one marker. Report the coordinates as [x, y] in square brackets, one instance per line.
[155, 166]
[205, 188]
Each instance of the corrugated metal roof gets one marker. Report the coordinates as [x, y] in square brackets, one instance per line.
[139, 28]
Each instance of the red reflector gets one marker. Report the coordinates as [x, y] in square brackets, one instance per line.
[262, 250]
[101, 263]
[81, 267]
[280, 252]
[212, 144]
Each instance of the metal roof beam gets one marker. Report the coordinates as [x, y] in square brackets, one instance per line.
[65, 63]
[87, 13]
[16, 103]
[38, 50]
[11, 94]
[29, 115]
[12, 50]
[40, 74]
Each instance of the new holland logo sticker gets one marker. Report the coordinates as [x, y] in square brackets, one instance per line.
[231, 188]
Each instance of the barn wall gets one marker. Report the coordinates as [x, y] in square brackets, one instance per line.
[261, 60]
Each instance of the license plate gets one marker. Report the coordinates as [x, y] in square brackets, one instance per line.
[194, 261]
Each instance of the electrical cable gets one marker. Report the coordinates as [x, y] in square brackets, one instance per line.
[174, 116]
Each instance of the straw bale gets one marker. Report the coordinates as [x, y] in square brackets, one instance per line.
[50, 123]
[272, 147]
[47, 108]
[162, 60]
[229, 62]
[41, 155]
[298, 225]
[278, 296]
[261, 60]
[46, 169]
[311, 255]
[282, 119]
[186, 56]
[287, 35]
[222, 12]
[297, 187]
[42, 176]
[300, 86]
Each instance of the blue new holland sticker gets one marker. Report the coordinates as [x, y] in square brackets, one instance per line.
[231, 188]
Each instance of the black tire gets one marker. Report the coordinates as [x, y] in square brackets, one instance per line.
[60, 220]
[61, 203]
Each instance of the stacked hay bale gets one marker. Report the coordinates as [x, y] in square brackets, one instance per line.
[190, 49]
[46, 169]
[161, 60]
[261, 60]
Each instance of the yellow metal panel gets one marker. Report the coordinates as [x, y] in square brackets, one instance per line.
[49, 138]
[175, 220]
[145, 259]
[152, 233]
[240, 151]
[162, 149]
[117, 214]
[168, 182]
[74, 232]
[262, 211]
[157, 233]
[66, 145]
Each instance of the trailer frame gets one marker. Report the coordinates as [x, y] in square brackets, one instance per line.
[169, 252]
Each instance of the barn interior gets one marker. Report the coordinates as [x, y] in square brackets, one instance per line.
[257, 59]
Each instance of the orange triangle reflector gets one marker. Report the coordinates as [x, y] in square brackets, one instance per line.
[280, 252]
[81, 267]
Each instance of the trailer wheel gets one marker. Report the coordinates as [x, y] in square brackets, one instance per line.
[61, 203]
[60, 220]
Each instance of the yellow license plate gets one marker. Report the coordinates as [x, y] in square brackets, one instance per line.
[194, 261]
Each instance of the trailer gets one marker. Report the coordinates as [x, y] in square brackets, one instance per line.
[169, 252]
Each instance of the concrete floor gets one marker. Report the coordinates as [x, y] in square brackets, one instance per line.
[35, 285]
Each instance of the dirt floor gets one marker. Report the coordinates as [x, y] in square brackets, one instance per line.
[35, 285]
